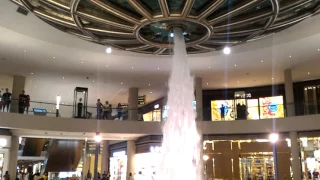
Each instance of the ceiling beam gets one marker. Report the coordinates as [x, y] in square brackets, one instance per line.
[228, 14]
[57, 20]
[138, 48]
[118, 33]
[141, 9]
[159, 51]
[164, 8]
[210, 9]
[116, 11]
[187, 8]
[56, 5]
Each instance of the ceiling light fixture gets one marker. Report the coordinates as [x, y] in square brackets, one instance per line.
[235, 65]
[108, 50]
[25, 51]
[149, 84]
[271, 78]
[238, 81]
[226, 50]
[62, 77]
[308, 72]
[54, 57]
[290, 56]
[121, 83]
[31, 73]
[93, 81]
[209, 67]
[207, 83]
[171, 35]
[158, 68]
[131, 67]
[318, 49]
[81, 62]
[150, 92]
[261, 61]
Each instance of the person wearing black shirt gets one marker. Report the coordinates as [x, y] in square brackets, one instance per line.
[6, 98]
[22, 102]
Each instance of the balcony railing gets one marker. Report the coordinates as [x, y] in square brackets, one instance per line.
[160, 114]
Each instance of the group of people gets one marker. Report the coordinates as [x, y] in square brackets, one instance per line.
[104, 176]
[104, 111]
[26, 176]
[23, 101]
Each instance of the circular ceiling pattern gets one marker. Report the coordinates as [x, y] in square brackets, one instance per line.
[145, 26]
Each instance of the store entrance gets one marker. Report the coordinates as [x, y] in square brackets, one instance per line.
[257, 166]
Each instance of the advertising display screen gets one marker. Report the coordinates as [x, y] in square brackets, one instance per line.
[228, 108]
[271, 107]
[253, 109]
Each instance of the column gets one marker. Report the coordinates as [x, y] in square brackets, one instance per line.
[295, 154]
[133, 104]
[131, 151]
[105, 156]
[199, 106]
[18, 86]
[288, 86]
[13, 157]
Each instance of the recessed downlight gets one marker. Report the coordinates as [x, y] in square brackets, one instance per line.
[62, 77]
[31, 73]
[25, 51]
[207, 83]
[209, 67]
[158, 68]
[226, 50]
[121, 83]
[238, 81]
[53, 57]
[93, 81]
[82, 62]
[261, 61]
[149, 84]
[235, 65]
[150, 92]
[132, 67]
[107, 66]
[290, 56]
[108, 50]
[308, 72]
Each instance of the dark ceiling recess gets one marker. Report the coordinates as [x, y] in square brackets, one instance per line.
[22, 11]
[145, 26]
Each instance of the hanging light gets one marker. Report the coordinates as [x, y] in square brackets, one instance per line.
[97, 137]
[273, 137]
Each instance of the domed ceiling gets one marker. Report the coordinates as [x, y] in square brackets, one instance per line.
[145, 26]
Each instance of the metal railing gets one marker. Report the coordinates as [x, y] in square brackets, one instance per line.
[208, 114]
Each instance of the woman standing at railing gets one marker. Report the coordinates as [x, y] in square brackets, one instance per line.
[99, 109]
[119, 109]
[27, 104]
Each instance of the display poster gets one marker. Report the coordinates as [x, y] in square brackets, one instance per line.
[148, 116]
[253, 109]
[271, 107]
[218, 106]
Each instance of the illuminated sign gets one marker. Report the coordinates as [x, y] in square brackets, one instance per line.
[3, 142]
[119, 154]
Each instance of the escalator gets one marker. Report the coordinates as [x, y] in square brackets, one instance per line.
[64, 155]
[33, 146]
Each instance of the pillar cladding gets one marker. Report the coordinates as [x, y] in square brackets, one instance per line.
[13, 157]
[290, 106]
[133, 103]
[199, 103]
[295, 149]
[18, 86]
[131, 151]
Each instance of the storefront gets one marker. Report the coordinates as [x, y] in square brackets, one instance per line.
[153, 111]
[118, 161]
[245, 159]
[5, 144]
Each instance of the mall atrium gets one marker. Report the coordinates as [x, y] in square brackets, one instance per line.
[160, 89]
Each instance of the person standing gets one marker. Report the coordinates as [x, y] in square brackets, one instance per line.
[89, 175]
[99, 109]
[27, 104]
[222, 112]
[106, 110]
[22, 102]
[6, 175]
[6, 98]
[119, 109]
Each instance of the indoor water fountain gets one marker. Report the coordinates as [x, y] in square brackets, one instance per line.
[181, 145]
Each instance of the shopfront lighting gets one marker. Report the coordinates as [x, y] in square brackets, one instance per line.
[58, 98]
[97, 138]
[155, 149]
[226, 50]
[273, 137]
[205, 157]
[156, 106]
[288, 142]
[3, 142]
[304, 141]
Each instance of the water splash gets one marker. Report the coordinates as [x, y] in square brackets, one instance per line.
[181, 146]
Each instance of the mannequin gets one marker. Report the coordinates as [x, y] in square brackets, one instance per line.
[80, 106]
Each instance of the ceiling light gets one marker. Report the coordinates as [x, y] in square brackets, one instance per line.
[271, 78]
[238, 81]
[97, 138]
[31, 73]
[149, 84]
[261, 61]
[108, 50]
[35, 86]
[93, 81]
[308, 72]
[226, 50]
[25, 51]
[158, 68]
[209, 67]
[290, 56]
[150, 92]
[81, 62]
[54, 57]
[107, 66]
[121, 83]
[318, 49]
[171, 35]
[62, 77]
[131, 67]
[235, 65]
[207, 83]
